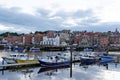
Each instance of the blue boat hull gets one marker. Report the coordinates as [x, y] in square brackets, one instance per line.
[106, 62]
[106, 59]
[18, 49]
[53, 64]
[88, 61]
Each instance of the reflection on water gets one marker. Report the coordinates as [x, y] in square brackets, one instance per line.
[84, 72]
[80, 72]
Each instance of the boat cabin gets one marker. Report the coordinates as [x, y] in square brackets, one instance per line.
[22, 56]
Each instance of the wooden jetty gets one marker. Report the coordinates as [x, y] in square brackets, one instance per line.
[7, 66]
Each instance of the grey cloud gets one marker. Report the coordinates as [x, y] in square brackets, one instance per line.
[90, 20]
[43, 12]
[102, 27]
[77, 14]
[64, 14]
[86, 16]
[83, 13]
[111, 26]
[13, 17]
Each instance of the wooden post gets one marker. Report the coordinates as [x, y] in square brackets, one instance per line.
[70, 61]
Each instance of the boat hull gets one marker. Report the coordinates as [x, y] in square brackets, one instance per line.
[106, 59]
[88, 61]
[53, 64]
[27, 61]
[9, 60]
[14, 61]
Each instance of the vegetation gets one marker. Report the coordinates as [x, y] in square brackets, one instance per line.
[7, 34]
[41, 32]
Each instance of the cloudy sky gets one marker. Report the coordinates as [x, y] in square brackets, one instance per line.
[40, 15]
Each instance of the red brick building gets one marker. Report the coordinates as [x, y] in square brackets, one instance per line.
[38, 37]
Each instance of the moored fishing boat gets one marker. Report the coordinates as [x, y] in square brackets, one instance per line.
[20, 58]
[88, 58]
[53, 62]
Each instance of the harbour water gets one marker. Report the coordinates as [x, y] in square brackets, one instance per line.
[84, 72]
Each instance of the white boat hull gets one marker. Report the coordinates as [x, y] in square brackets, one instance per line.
[9, 60]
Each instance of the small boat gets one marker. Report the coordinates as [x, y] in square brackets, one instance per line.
[88, 50]
[18, 49]
[88, 58]
[34, 49]
[20, 58]
[53, 62]
[106, 59]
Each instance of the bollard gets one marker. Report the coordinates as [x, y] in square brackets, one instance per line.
[2, 62]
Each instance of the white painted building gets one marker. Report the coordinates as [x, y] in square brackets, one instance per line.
[51, 41]
[4, 41]
[33, 40]
[23, 39]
